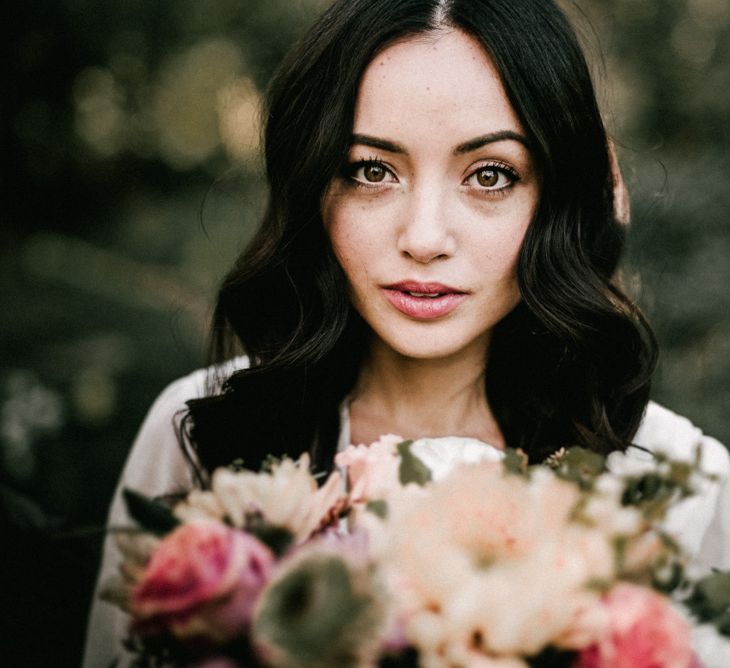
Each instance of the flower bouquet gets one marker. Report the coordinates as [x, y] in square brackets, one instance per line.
[430, 553]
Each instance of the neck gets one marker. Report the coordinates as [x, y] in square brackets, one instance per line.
[417, 398]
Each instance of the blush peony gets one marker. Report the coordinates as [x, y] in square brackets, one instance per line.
[203, 580]
[643, 631]
[372, 470]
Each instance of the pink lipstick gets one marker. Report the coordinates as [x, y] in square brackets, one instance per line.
[424, 301]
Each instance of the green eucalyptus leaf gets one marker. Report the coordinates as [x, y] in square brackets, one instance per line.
[584, 459]
[237, 465]
[515, 461]
[149, 514]
[270, 463]
[411, 468]
[317, 614]
[277, 538]
[710, 600]
[580, 465]
[377, 507]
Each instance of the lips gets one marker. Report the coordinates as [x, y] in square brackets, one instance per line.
[424, 301]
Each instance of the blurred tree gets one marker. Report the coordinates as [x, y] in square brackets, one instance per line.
[667, 65]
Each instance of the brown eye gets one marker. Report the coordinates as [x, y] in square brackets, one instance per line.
[374, 173]
[492, 179]
[487, 178]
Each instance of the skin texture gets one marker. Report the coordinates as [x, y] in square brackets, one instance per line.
[425, 199]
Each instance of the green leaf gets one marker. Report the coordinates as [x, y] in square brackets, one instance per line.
[377, 507]
[277, 539]
[580, 466]
[515, 461]
[411, 468]
[319, 612]
[149, 514]
[270, 463]
[710, 601]
[587, 461]
[237, 465]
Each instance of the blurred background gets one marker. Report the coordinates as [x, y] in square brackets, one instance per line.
[131, 179]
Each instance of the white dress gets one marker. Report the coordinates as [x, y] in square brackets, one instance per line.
[156, 466]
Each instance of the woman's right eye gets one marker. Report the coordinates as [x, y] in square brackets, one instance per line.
[369, 172]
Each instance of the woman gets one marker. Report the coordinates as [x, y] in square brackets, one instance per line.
[436, 259]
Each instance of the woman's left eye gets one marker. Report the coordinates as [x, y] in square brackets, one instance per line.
[370, 172]
[492, 178]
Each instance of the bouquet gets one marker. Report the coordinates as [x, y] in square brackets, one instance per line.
[438, 553]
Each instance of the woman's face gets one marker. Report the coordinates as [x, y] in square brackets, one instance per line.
[428, 218]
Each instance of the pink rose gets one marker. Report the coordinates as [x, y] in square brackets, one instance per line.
[643, 631]
[203, 579]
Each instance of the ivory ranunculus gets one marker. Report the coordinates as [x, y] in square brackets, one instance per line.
[287, 496]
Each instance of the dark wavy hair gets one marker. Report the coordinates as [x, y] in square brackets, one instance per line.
[570, 365]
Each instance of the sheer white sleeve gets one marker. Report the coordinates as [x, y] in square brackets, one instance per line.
[700, 523]
[156, 466]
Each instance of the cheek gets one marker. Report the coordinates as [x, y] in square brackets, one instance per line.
[500, 254]
[344, 243]
[351, 251]
[354, 240]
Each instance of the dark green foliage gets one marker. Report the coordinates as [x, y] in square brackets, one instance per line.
[317, 614]
[710, 601]
[377, 507]
[149, 514]
[552, 658]
[579, 465]
[278, 539]
[411, 468]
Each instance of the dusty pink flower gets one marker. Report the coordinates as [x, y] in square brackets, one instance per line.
[203, 579]
[643, 631]
[372, 470]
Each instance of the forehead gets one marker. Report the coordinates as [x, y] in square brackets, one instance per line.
[442, 80]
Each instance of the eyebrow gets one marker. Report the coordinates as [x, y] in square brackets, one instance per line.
[375, 142]
[491, 138]
[466, 147]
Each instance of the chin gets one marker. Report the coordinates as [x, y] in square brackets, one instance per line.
[433, 345]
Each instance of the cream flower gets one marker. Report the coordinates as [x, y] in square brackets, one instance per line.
[199, 505]
[372, 470]
[481, 542]
[522, 605]
[288, 496]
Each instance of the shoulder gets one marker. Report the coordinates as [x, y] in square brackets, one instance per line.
[701, 522]
[196, 384]
[664, 432]
[157, 464]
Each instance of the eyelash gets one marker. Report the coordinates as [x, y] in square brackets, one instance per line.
[352, 169]
[497, 166]
[501, 168]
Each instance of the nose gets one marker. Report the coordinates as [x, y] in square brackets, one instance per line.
[425, 232]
